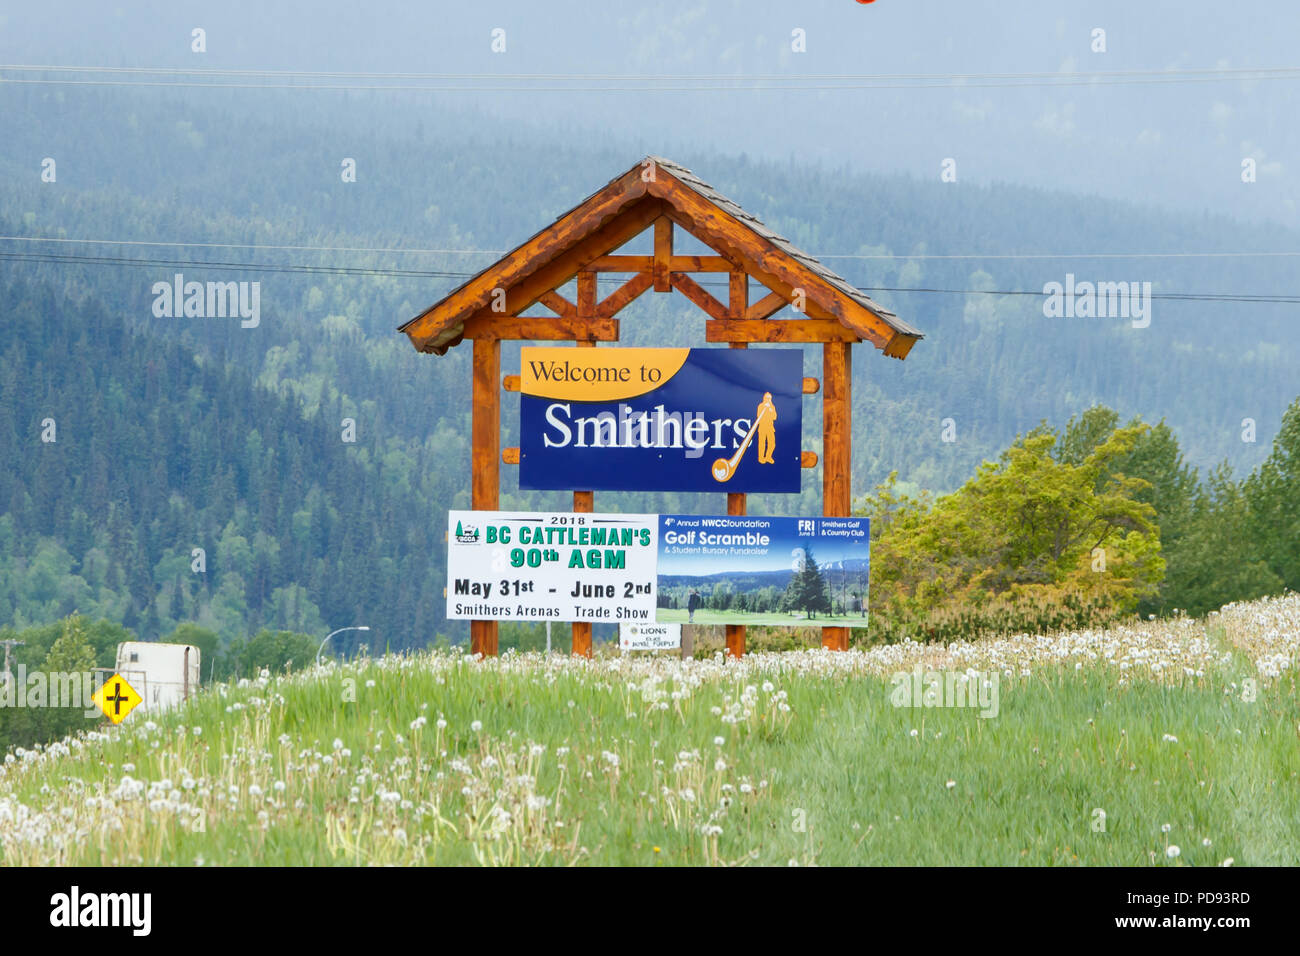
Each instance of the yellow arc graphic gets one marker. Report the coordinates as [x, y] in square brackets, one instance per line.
[596, 375]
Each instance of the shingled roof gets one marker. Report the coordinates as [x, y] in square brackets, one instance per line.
[690, 202]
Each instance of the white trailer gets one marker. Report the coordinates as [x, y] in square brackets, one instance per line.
[162, 674]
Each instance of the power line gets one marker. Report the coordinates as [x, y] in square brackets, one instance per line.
[237, 266]
[256, 245]
[535, 88]
[623, 83]
[340, 74]
[1180, 296]
[1238, 297]
[501, 252]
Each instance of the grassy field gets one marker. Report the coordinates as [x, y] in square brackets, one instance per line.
[706, 616]
[1168, 743]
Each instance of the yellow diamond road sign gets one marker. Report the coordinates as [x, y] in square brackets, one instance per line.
[116, 698]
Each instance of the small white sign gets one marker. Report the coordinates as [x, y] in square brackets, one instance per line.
[649, 637]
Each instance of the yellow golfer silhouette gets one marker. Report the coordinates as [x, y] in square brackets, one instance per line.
[764, 425]
[766, 420]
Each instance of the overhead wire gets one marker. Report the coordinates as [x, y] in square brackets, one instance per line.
[613, 83]
[501, 252]
[299, 268]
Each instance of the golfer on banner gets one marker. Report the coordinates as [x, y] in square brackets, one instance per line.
[766, 419]
[765, 426]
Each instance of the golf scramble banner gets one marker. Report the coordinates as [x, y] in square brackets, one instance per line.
[724, 569]
[632, 419]
[666, 569]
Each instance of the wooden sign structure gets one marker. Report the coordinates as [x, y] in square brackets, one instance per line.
[659, 195]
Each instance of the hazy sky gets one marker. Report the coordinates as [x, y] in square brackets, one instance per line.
[1176, 140]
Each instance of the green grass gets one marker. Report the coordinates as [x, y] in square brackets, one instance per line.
[839, 778]
[705, 616]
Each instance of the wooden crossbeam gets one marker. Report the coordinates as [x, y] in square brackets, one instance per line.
[617, 263]
[544, 328]
[779, 330]
[622, 264]
[701, 297]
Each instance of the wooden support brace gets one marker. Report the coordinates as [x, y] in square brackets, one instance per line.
[586, 295]
[663, 253]
[738, 295]
[617, 300]
[767, 306]
[558, 304]
[699, 295]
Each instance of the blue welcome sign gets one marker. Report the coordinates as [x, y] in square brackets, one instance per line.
[661, 419]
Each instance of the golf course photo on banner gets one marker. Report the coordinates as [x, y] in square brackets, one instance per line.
[804, 572]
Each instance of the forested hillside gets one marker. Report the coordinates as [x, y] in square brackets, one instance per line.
[174, 433]
[125, 453]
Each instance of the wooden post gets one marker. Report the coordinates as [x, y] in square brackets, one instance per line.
[485, 481]
[738, 302]
[836, 451]
[584, 501]
[735, 632]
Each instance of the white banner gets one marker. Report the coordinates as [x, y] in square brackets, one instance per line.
[551, 566]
